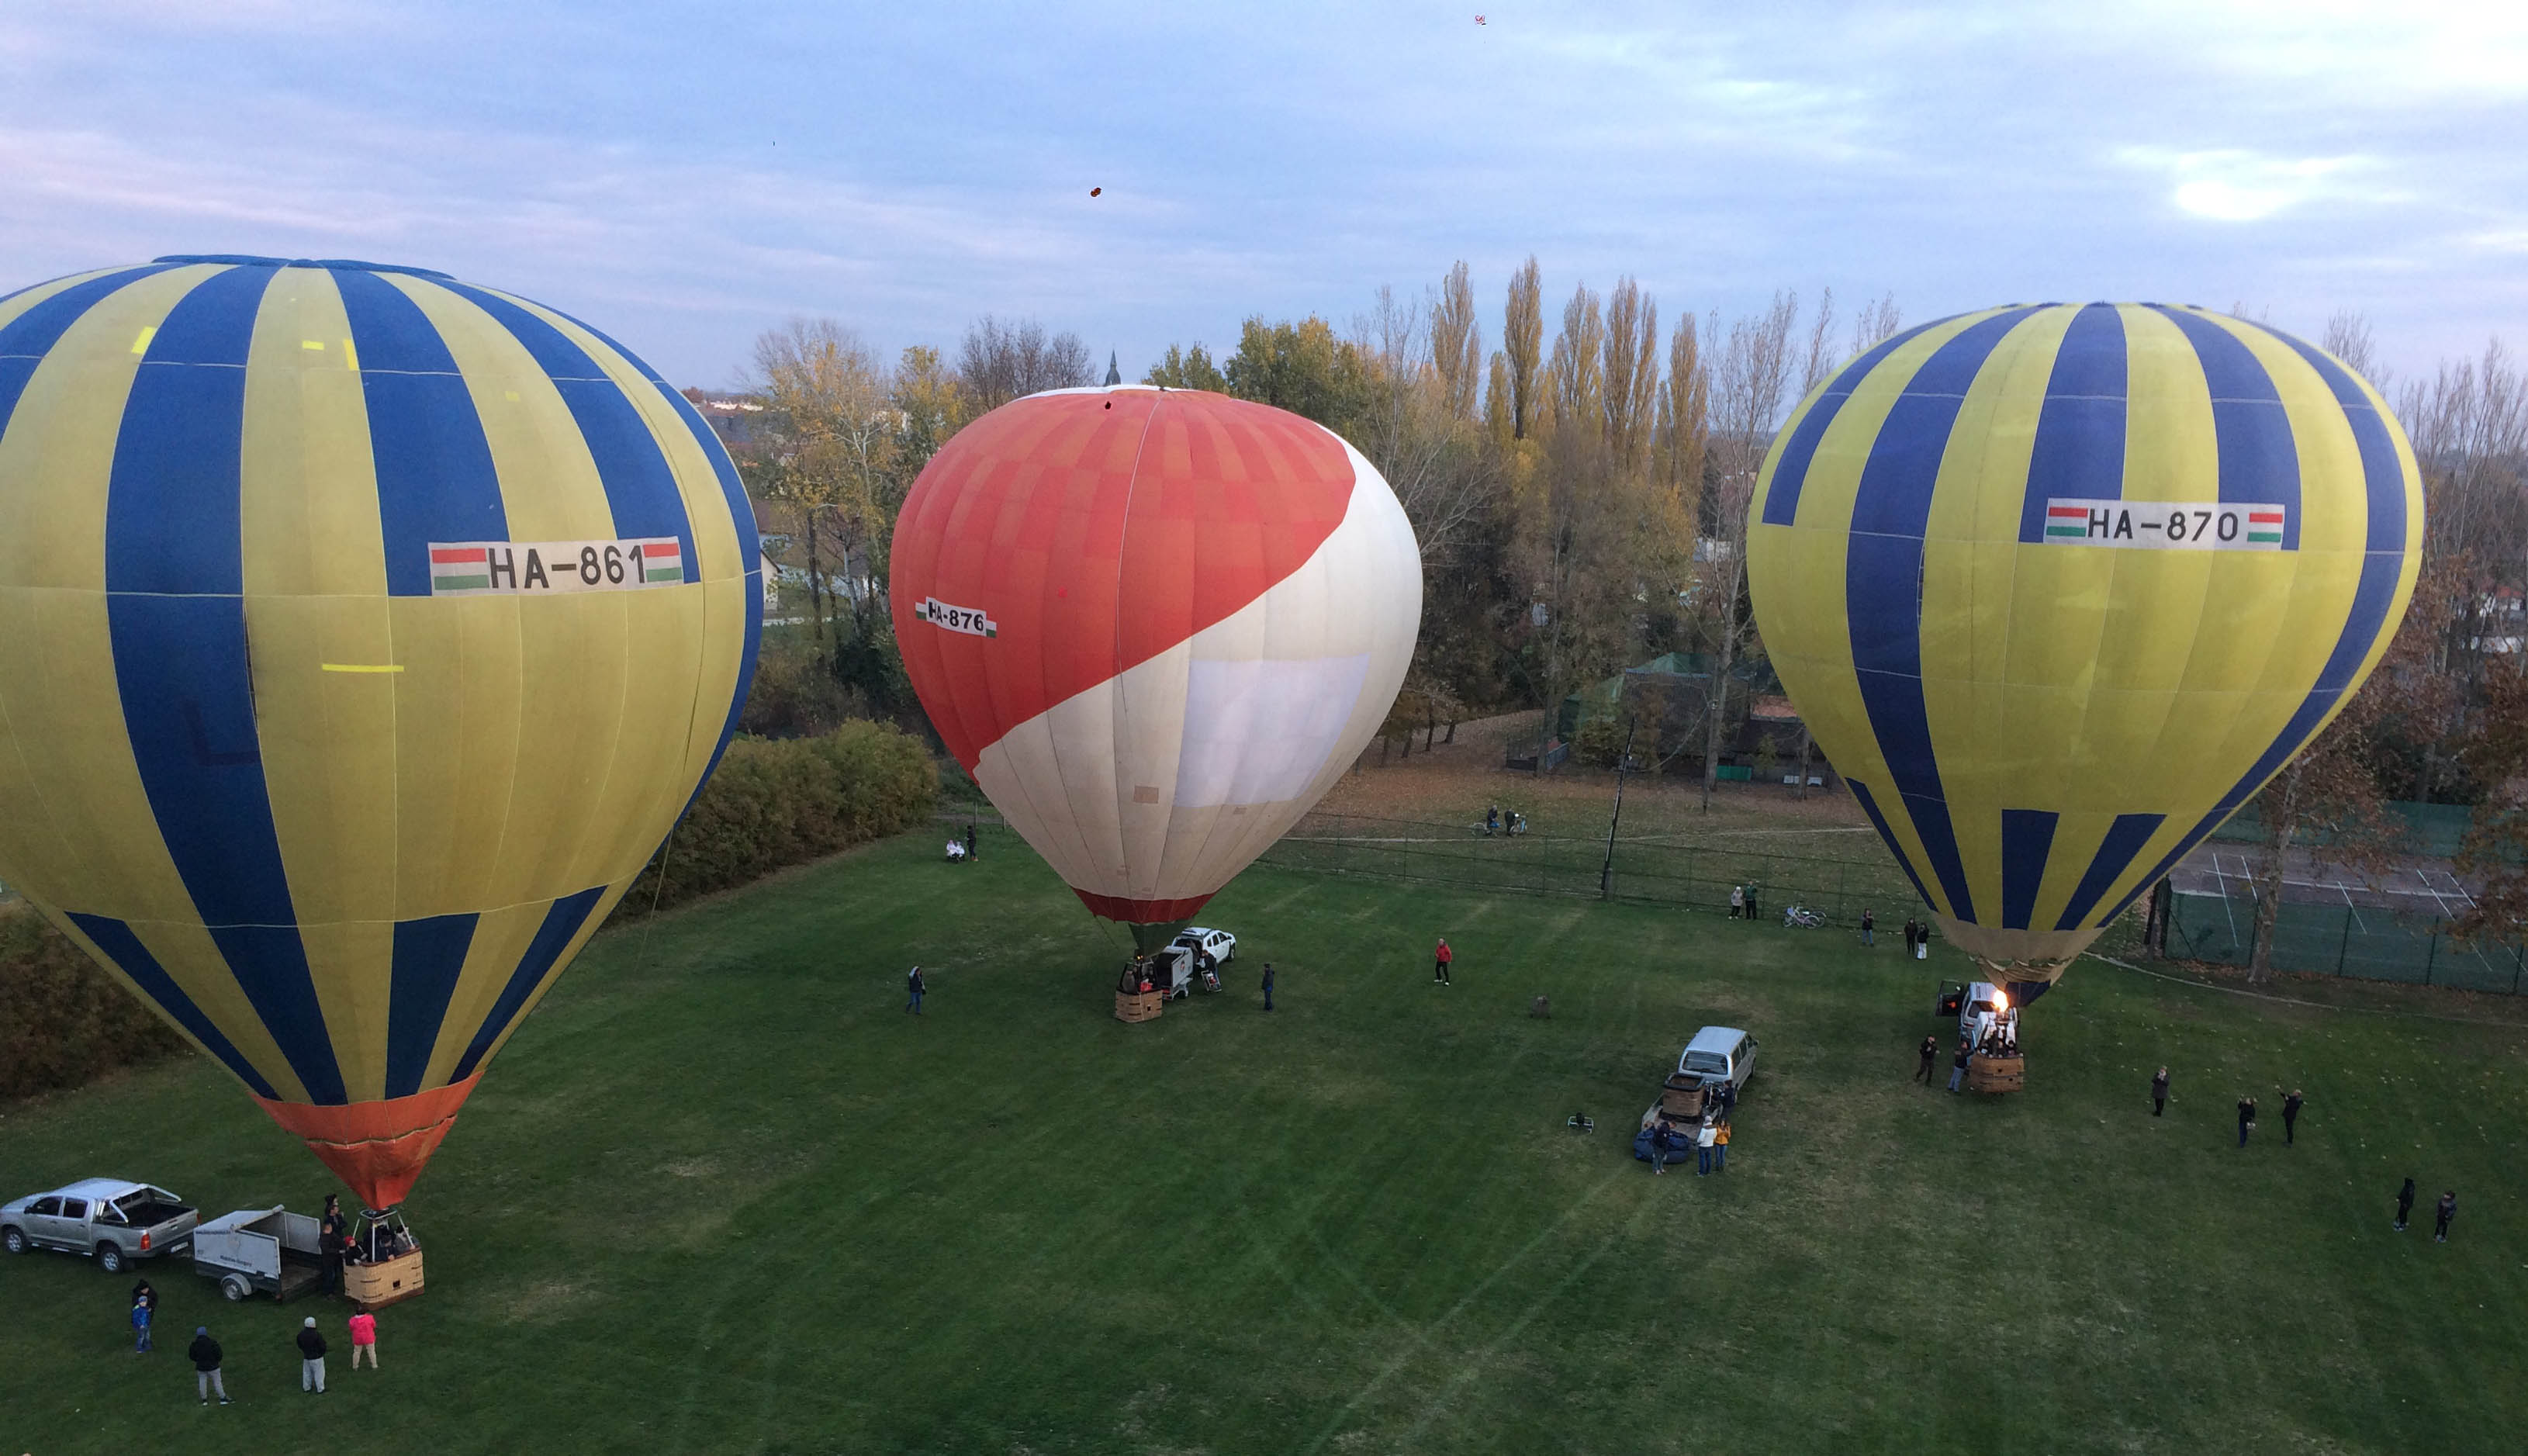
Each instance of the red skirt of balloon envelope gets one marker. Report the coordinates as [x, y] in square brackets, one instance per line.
[378, 1149]
[1140, 912]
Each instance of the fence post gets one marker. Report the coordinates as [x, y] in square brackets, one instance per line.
[2346, 943]
[2518, 962]
[2432, 952]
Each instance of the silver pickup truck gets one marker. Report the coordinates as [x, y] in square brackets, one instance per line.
[113, 1219]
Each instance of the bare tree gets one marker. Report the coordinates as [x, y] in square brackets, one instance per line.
[2469, 427]
[1429, 455]
[2347, 337]
[1458, 343]
[1747, 400]
[1875, 324]
[1523, 344]
[1001, 362]
[1820, 351]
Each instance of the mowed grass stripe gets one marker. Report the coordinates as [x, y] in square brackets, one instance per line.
[721, 1194]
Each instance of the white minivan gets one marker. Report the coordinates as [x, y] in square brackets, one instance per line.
[1720, 1054]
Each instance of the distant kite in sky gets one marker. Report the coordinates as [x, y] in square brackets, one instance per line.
[1479, 20]
[1094, 192]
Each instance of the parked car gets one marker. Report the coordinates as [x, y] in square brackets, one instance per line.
[1219, 944]
[1718, 1053]
[271, 1251]
[111, 1220]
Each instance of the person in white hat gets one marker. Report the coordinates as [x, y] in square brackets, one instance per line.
[311, 1358]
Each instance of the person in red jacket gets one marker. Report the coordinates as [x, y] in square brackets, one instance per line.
[364, 1339]
[1440, 967]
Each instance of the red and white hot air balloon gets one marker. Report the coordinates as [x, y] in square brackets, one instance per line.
[1155, 625]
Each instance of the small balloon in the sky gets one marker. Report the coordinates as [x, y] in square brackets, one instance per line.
[1479, 20]
[1094, 192]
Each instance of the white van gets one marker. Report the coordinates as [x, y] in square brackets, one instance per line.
[1720, 1054]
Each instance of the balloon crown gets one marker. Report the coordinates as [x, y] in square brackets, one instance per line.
[250, 260]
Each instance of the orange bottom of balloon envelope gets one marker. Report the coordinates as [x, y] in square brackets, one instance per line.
[376, 1148]
[1141, 912]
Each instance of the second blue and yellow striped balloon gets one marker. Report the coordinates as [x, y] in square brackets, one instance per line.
[2060, 587]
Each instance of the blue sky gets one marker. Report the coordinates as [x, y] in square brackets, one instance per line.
[686, 176]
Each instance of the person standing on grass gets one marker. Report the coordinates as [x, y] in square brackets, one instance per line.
[205, 1355]
[1720, 1146]
[915, 986]
[1440, 965]
[1268, 985]
[1958, 1066]
[1868, 928]
[1930, 1049]
[2159, 1092]
[1752, 912]
[1912, 928]
[365, 1338]
[2404, 1203]
[1737, 901]
[969, 844]
[2442, 1215]
[333, 1236]
[311, 1358]
[1659, 1136]
[140, 1317]
[2291, 1115]
[2246, 1119]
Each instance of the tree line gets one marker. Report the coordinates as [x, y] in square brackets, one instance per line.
[1579, 478]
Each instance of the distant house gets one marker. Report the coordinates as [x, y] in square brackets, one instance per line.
[733, 417]
[2504, 614]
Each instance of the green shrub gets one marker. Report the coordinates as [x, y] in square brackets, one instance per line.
[62, 1019]
[774, 803]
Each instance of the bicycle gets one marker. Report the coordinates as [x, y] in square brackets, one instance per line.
[1800, 916]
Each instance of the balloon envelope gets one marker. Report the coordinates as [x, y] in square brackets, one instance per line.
[2059, 587]
[362, 634]
[1155, 625]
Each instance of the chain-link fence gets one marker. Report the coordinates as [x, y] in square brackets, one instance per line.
[2368, 943]
[1668, 869]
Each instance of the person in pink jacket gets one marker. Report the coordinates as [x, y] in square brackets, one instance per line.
[364, 1339]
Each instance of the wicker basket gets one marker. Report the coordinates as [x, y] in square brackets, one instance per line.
[1683, 1098]
[375, 1285]
[1996, 1073]
[1139, 1006]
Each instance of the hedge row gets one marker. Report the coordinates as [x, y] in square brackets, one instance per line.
[781, 802]
[63, 1021]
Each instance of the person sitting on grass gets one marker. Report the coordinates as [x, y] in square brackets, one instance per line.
[956, 852]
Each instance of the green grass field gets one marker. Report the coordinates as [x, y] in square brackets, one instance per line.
[722, 1195]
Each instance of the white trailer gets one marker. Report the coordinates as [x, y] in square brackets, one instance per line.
[271, 1251]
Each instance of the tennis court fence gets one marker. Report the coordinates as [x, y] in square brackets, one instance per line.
[2366, 942]
[1667, 870]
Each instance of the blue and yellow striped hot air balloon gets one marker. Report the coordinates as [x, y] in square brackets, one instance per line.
[2058, 588]
[362, 632]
